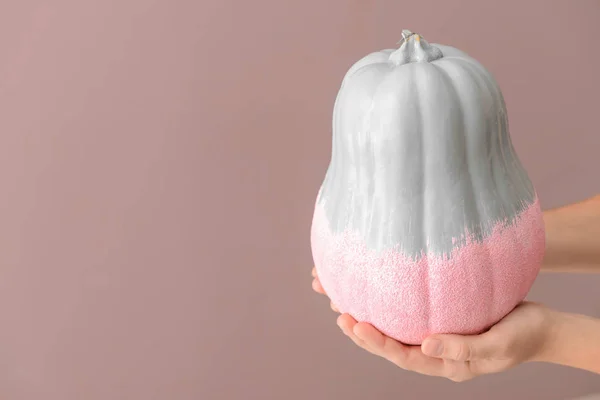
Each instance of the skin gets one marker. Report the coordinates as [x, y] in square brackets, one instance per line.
[532, 332]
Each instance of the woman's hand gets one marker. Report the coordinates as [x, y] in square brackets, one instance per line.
[523, 335]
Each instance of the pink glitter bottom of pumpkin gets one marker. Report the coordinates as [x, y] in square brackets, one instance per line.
[465, 293]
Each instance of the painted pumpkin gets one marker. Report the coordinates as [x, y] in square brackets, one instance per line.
[426, 221]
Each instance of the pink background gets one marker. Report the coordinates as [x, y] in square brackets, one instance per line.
[159, 162]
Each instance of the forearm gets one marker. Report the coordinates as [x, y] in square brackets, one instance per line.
[573, 341]
[573, 237]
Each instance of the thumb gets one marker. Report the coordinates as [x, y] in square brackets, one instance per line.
[460, 348]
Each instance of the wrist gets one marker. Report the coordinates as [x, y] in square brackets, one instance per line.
[551, 336]
[547, 322]
[570, 339]
[572, 234]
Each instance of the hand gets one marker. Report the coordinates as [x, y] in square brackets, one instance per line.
[521, 336]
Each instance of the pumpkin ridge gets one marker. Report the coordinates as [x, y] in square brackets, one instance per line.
[375, 211]
[514, 164]
[472, 200]
[423, 215]
[352, 74]
[497, 149]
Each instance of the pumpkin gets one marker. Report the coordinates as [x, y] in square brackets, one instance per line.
[426, 221]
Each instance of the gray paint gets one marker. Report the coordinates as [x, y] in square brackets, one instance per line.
[421, 151]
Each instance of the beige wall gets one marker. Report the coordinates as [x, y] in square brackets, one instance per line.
[158, 166]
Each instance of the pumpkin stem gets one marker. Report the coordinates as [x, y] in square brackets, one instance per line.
[413, 48]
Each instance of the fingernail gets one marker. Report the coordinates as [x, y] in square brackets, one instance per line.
[433, 348]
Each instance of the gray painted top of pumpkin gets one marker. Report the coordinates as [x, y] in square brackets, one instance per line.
[421, 152]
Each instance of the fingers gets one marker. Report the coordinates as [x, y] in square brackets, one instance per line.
[347, 324]
[410, 358]
[406, 357]
[443, 355]
[316, 284]
[461, 348]
[481, 354]
[317, 287]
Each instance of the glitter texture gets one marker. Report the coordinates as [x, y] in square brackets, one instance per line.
[408, 299]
